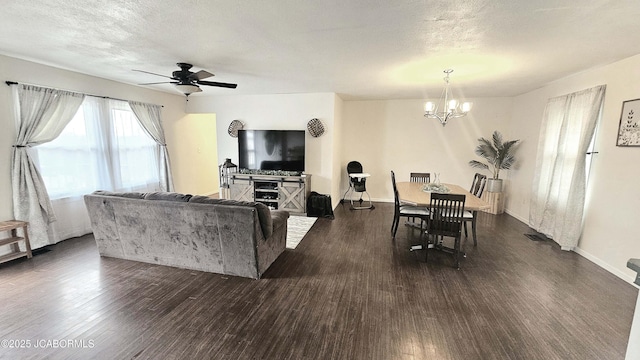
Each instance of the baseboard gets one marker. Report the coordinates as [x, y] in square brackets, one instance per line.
[628, 278]
[526, 221]
[372, 199]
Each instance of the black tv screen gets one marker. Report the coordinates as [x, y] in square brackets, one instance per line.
[271, 150]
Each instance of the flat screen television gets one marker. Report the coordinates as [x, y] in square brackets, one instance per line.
[271, 150]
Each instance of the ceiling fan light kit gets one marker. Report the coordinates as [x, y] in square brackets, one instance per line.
[447, 107]
[187, 81]
[188, 89]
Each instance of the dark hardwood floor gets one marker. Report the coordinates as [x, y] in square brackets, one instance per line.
[347, 292]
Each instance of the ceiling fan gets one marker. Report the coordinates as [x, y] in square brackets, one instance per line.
[187, 81]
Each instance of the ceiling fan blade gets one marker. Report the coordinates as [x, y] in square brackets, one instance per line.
[202, 74]
[218, 84]
[146, 72]
[163, 82]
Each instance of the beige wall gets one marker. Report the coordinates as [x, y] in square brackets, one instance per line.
[610, 236]
[277, 112]
[394, 135]
[194, 143]
[338, 150]
[362, 130]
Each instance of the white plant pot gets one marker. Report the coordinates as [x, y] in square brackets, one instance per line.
[494, 185]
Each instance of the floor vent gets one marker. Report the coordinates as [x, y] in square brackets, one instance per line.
[537, 237]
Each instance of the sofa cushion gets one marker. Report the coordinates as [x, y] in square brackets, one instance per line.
[130, 195]
[209, 200]
[168, 196]
[264, 214]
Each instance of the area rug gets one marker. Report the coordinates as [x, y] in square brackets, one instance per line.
[297, 228]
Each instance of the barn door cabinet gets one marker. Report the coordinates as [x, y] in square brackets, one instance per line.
[277, 192]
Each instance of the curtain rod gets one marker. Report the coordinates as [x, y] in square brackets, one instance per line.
[9, 83]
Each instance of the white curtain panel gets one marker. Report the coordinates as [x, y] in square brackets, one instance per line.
[68, 163]
[103, 148]
[149, 117]
[559, 182]
[72, 218]
[42, 114]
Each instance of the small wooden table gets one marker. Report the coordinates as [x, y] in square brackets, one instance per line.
[411, 193]
[13, 226]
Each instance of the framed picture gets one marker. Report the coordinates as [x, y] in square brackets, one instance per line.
[629, 129]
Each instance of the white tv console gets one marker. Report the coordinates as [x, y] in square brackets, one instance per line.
[276, 191]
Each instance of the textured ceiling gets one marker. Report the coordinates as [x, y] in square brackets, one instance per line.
[381, 49]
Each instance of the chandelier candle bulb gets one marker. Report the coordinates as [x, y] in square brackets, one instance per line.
[453, 104]
[429, 107]
[466, 107]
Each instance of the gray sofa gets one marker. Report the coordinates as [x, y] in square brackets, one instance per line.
[191, 232]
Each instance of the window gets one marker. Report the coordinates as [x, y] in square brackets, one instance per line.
[102, 148]
[559, 183]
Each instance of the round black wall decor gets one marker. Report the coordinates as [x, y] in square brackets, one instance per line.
[315, 127]
[234, 126]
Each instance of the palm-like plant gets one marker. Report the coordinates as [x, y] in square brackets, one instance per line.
[499, 154]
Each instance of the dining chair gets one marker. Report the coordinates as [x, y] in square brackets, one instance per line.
[404, 210]
[446, 220]
[420, 177]
[477, 188]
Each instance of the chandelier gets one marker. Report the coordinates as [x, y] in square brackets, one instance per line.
[447, 107]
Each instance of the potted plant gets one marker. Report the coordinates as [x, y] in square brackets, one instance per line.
[498, 155]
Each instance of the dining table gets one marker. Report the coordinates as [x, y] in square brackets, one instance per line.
[411, 193]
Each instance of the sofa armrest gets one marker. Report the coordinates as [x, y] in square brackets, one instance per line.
[270, 248]
[279, 218]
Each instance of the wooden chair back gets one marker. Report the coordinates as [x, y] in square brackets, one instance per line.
[396, 196]
[478, 184]
[446, 214]
[420, 177]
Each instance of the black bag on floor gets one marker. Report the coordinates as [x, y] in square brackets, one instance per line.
[319, 205]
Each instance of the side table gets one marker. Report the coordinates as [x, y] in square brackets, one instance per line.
[496, 200]
[14, 239]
